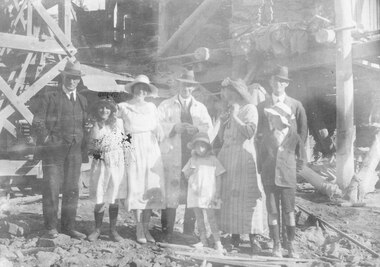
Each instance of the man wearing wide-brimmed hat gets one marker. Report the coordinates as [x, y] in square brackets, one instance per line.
[59, 127]
[279, 81]
[181, 117]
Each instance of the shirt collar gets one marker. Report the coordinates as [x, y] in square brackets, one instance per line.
[67, 92]
[183, 101]
[280, 98]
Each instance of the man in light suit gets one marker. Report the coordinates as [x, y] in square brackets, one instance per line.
[59, 128]
[181, 117]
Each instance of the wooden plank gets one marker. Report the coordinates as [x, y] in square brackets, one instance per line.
[59, 34]
[192, 23]
[30, 43]
[22, 75]
[15, 101]
[4, 123]
[42, 81]
[64, 19]
[29, 25]
[20, 15]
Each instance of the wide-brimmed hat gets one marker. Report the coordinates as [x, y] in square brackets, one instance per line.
[282, 110]
[104, 101]
[281, 72]
[199, 137]
[240, 87]
[144, 80]
[188, 77]
[72, 68]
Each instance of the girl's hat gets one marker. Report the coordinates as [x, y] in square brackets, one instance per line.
[144, 80]
[240, 87]
[282, 110]
[105, 101]
[199, 137]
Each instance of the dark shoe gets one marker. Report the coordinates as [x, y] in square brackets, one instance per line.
[94, 235]
[114, 236]
[74, 234]
[291, 251]
[51, 234]
[276, 252]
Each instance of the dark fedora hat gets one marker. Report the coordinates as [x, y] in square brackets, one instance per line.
[188, 77]
[72, 68]
[281, 72]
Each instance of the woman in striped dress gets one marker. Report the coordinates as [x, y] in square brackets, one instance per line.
[241, 211]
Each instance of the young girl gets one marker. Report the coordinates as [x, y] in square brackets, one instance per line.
[203, 171]
[107, 182]
[282, 153]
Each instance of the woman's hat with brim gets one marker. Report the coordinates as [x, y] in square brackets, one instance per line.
[188, 77]
[281, 73]
[240, 87]
[199, 137]
[144, 80]
[72, 68]
[282, 110]
[104, 101]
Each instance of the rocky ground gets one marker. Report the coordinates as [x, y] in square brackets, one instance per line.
[22, 242]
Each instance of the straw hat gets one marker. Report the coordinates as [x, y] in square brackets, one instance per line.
[282, 110]
[72, 68]
[199, 137]
[144, 80]
[188, 77]
[240, 87]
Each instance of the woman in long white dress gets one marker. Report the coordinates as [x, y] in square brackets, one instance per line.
[146, 185]
[107, 183]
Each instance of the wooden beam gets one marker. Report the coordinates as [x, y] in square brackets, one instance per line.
[64, 18]
[4, 122]
[22, 75]
[162, 23]
[191, 24]
[20, 15]
[42, 81]
[30, 43]
[344, 95]
[15, 101]
[59, 34]
[29, 25]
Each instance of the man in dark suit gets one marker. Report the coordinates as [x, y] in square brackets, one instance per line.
[279, 81]
[59, 128]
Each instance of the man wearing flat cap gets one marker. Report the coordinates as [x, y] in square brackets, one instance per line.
[59, 128]
[279, 81]
[181, 117]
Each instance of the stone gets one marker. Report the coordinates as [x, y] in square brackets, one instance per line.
[6, 252]
[46, 259]
[19, 228]
[5, 263]
[61, 240]
[60, 251]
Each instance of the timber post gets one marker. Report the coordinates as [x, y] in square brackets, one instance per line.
[344, 94]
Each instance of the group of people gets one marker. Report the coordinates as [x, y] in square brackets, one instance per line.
[149, 157]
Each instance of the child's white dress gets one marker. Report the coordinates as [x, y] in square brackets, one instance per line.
[202, 182]
[107, 182]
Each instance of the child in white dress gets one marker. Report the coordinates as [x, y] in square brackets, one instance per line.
[107, 183]
[203, 171]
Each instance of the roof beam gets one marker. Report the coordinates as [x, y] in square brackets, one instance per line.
[30, 43]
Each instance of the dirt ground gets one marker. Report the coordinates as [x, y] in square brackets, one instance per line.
[21, 229]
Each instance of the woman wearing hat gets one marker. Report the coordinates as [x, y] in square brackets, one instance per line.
[107, 182]
[146, 185]
[242, 211]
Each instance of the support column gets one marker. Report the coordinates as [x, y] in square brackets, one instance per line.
[344, 94]
[64, 17]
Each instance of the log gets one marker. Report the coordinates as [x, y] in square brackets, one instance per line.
[319, 183]
[373, 253]
[364, 181]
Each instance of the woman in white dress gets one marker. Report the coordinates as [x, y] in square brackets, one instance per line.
[107, 182]
[146, 185]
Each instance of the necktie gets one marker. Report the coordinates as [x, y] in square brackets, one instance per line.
[72, 99]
